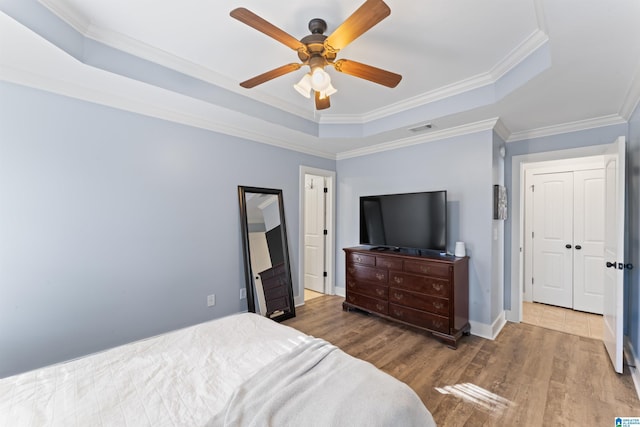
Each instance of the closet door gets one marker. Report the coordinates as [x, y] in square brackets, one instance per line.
[553, 239]
[588, 254]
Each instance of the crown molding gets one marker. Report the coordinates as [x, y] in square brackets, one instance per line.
[520, 53]
[135, 47]
[632, 99]
[136, 104]
[437, 135]
[579, 125]
[76, 20]
[142, 50]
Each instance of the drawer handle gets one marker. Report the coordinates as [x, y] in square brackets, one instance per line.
[437, 305]
[358, 259]
[437, 286]
[380, 307]
[398, 279]
[351, 284]
[352, 298]
[352, 270]
[398, 313]
[437, 324]
[424, 269]
[398, 296]
[379, 292]
[379, 276]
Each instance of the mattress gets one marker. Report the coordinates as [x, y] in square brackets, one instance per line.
[187, 377]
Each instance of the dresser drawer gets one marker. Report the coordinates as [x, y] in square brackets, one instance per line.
[419, 318]
[421, 284]
[368, 303]
[423, 302]
[361, 259]
[367, 288]
[389, 263]
[361, 272]
[432, 269]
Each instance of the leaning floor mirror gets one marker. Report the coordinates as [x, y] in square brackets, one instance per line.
[266, 253]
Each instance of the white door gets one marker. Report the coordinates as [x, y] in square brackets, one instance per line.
[613, 308]
[588, 239]
[553, 232]
[260, 261]
[314, 238]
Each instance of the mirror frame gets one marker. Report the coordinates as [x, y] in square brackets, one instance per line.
[249, 277]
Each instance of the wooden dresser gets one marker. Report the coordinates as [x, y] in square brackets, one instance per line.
[275, 287]
[430, 292]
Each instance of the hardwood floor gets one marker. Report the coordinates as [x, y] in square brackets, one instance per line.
[529, 376]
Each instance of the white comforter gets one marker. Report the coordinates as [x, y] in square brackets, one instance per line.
[182, 378]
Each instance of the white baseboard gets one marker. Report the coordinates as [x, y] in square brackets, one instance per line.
[341, 292]
[634, 364]
[489, 332]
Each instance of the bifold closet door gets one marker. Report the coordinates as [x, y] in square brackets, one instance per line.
[553, 239]
[588, 238]
[568, 241]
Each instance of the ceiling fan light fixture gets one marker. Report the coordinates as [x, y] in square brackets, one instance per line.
[320, 79]
[328, 91]
[304, 86]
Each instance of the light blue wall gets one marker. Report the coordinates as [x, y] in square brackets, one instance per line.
[116, 226]
[633, 249]
[460, 165]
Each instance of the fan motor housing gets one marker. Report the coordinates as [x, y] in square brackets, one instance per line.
[315, 42]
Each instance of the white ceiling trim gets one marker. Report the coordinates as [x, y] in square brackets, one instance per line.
[633, 96]
[579, 125]
[142, 50]
[531, 44]
[421, 139]
[132, 46]
[134, 104]
[79, 22]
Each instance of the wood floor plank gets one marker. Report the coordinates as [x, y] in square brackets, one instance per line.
[528, 376]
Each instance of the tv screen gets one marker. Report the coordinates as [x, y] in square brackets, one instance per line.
[411, 220]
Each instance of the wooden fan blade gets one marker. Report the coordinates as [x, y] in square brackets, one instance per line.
[367, 72]
[322, 103]
[269, 75]
[367, 15]
[254, 21]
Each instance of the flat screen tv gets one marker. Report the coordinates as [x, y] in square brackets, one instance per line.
[405, 221]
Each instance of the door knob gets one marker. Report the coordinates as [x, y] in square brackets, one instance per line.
[611, 264]
[568, 246]
[578, 247]
[628, 266]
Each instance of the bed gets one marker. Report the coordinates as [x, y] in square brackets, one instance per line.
[240, 370]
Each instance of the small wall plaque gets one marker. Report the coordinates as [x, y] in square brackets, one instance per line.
[499, 202]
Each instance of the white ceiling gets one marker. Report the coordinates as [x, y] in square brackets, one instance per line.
[540, 67]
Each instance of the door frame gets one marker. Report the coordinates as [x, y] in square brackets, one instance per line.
[330, 176]
[518, 167]
[530, 170]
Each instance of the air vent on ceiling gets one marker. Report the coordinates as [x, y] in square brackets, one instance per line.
[421, 128]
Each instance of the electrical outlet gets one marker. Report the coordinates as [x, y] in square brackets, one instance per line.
[243, 293]
[211, 300]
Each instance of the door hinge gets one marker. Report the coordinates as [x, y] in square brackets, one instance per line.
[533, 188]
[326, 190]
[324, 274]
[325, 232]
[532, 235]
[532, 280]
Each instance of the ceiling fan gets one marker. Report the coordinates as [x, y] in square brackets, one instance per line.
[317, 51]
